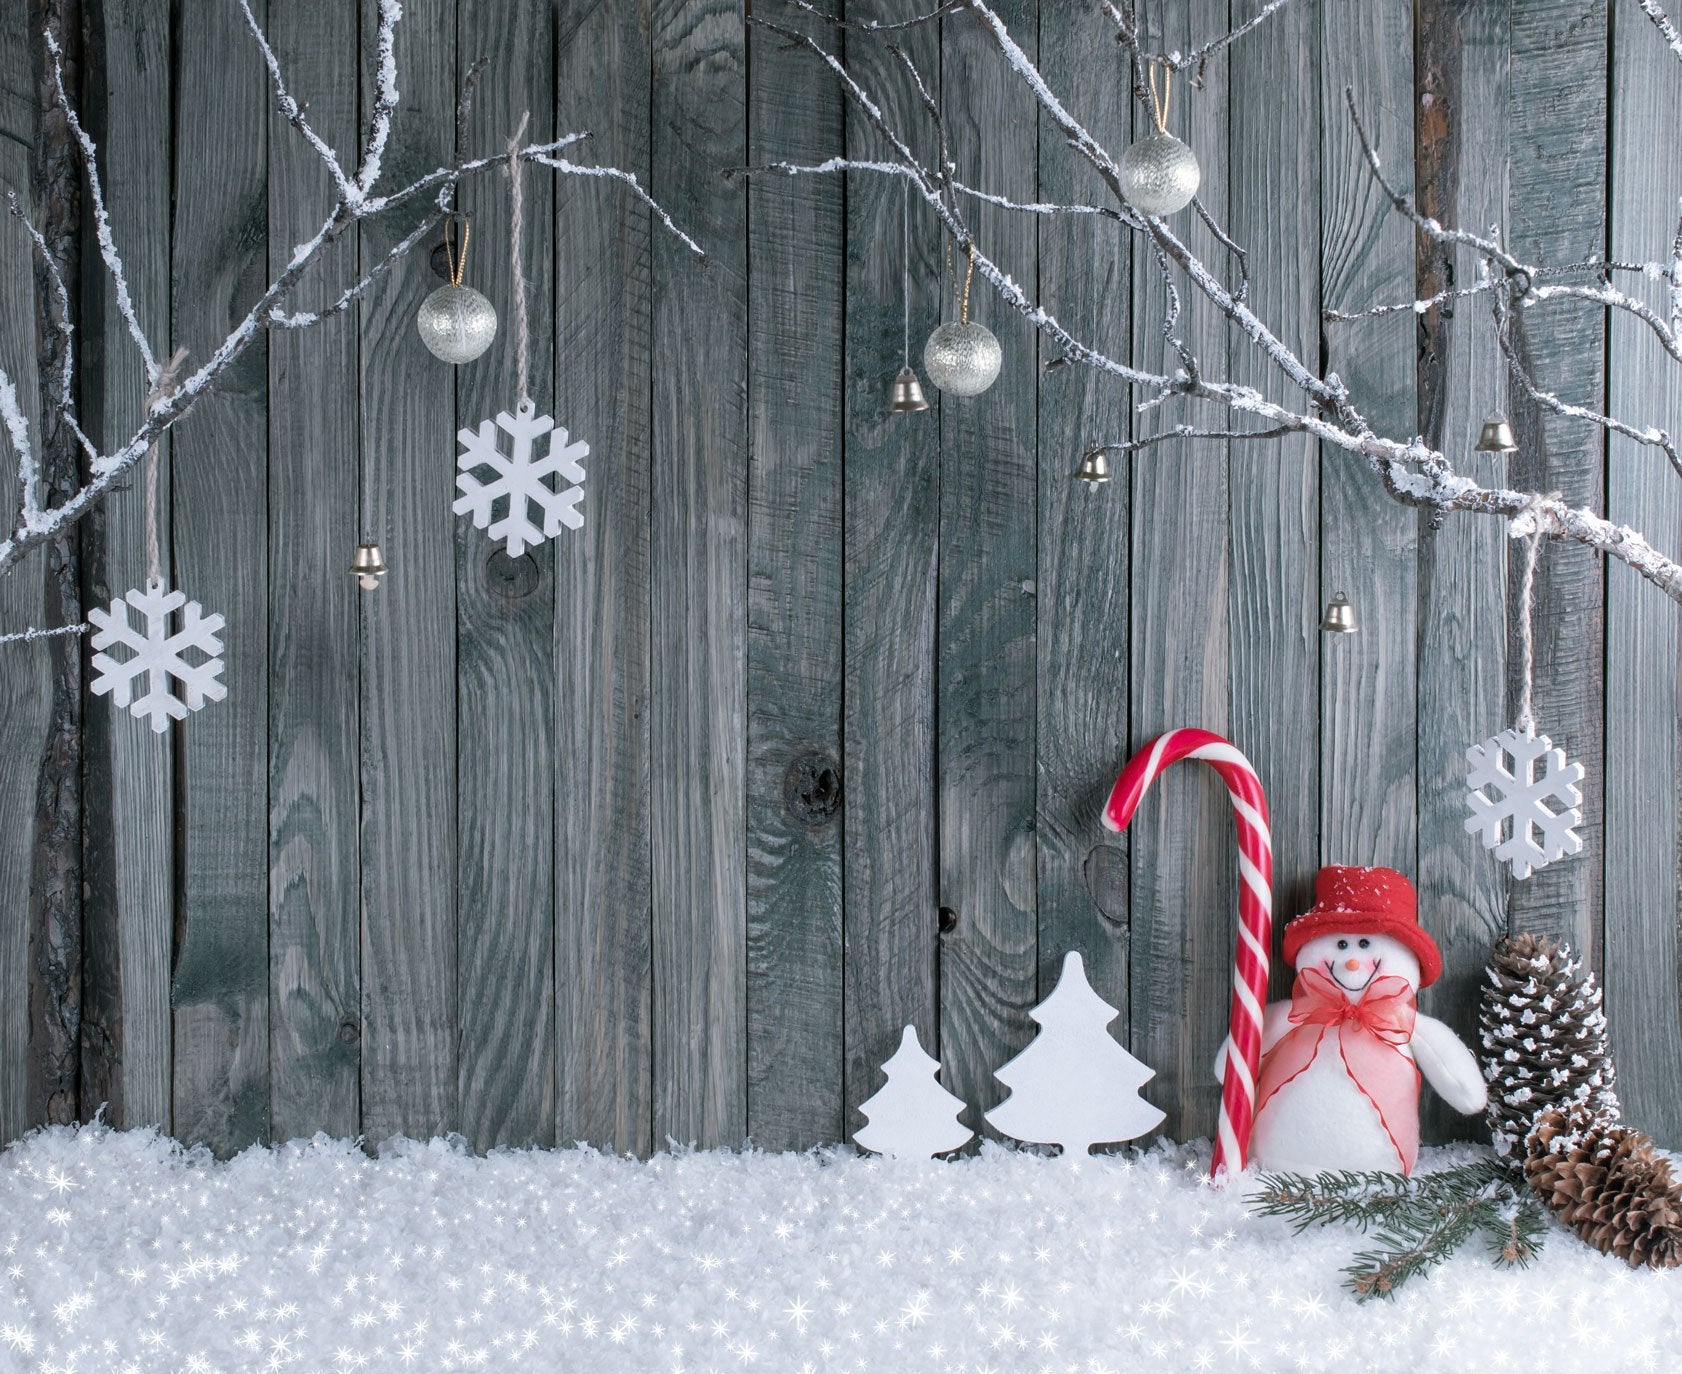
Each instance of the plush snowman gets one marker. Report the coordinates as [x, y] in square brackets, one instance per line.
[1342, 1059]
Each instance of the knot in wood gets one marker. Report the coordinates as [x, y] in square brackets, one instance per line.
[812, 789]
[349, 1032]
[513, 578]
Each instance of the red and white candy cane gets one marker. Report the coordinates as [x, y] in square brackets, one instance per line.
[1255, 913]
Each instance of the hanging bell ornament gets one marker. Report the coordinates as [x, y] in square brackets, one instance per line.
[1339, 618]
[963, 359]
[1496, 436]
[368, 566]
[1094, 467]
[907, 394]
[1159, 174]
[456, 323]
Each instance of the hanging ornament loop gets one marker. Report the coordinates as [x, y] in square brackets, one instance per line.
[1527, 636]
[1160, 100]
[960, 293]
[162, 387]
[517, 263]
[457, 262]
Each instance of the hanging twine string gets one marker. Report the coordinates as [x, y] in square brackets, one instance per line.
[961, 292]
[516, 233]
[1160, 100]
[905, 260]
[1533, 515]
[162, 387]
[457, 265]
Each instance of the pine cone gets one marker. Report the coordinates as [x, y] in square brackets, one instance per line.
[1544, 1040]
[1610, 1184]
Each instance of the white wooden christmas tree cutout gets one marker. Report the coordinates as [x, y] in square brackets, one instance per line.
[1523, 795]
[158, 654]
[912, 1117]
[1074, 1086]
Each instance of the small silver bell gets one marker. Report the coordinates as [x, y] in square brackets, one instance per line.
[1094, 467]
[907, 394]
[1496, 437]
[368, 566]
[1339, 618]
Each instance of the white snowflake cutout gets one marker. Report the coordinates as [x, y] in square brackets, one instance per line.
[1526, 811]
[533, 510]
[158, 654]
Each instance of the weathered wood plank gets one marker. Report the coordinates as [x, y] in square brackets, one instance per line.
[603, 370]
[1460, 145]
[796, 263]
[130, 836]
[219, 478]
[26, 670]
[1274, 487]
[505, 609]
[1643, 970]
[892, 504]
[1367, 545]
[1083, 538]
[314, 928]
[698, 578]
[410, 1031]
[1184, 861]
[988, 607]
[1556, 142]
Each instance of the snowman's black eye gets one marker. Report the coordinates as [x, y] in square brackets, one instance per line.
[1365, 943]
[1343, 944]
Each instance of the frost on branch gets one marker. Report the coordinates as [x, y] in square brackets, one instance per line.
[357, 195]
[1411, 472]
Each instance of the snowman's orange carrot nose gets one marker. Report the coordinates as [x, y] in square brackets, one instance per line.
[1352, 964]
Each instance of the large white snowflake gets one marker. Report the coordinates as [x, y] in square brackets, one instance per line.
[519, 504]
[158, 654]
[1525, 800]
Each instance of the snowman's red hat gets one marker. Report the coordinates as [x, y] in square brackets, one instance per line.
[1365, 901]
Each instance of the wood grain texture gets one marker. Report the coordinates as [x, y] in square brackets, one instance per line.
[129, 774]
[698, 578]
[505, 616]
[25, 679]
[313, 503]
[1643, 971]
[219, 480]
[795, 306]
[410, 1008]
[1184, 854]
[988, 602]
[891, 487]
[1556, 148]
[1275, 600]
[1368, 546]
[1460, 151]
[1084, 558]
[603, 373]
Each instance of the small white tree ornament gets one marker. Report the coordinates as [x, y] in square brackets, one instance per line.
[158, 654]
[1530, 818]
[532, 509]
[912, 1117]
[1074, 1086]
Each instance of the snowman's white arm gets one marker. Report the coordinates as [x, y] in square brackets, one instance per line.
[1448, 1066]
[1276, 1020]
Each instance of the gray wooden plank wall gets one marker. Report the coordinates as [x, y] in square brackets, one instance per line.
[664, 830]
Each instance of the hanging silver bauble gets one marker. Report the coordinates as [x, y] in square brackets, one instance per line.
[1159, 174]
[962, 359]
[456, 323]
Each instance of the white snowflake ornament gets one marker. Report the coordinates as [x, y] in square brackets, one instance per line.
[519, 504]
[1525, 809]
[158, 654]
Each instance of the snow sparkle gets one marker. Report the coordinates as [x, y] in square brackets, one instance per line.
[125, 1252]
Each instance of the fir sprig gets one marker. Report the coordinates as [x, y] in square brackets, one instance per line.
[1419, 1222]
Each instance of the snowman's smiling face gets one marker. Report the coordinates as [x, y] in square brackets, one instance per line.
[1353, 961]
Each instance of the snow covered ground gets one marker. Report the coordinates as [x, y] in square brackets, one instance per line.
[122, 1252]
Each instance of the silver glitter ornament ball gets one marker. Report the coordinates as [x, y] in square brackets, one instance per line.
[1159, 174]
[963, 359]
[456, 323]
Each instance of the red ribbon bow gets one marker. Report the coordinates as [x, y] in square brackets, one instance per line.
[1372, 1029]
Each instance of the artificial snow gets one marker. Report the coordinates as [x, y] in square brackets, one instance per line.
[123, 1252]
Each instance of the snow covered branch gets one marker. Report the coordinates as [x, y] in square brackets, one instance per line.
[357, 196]
[1410, 471]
